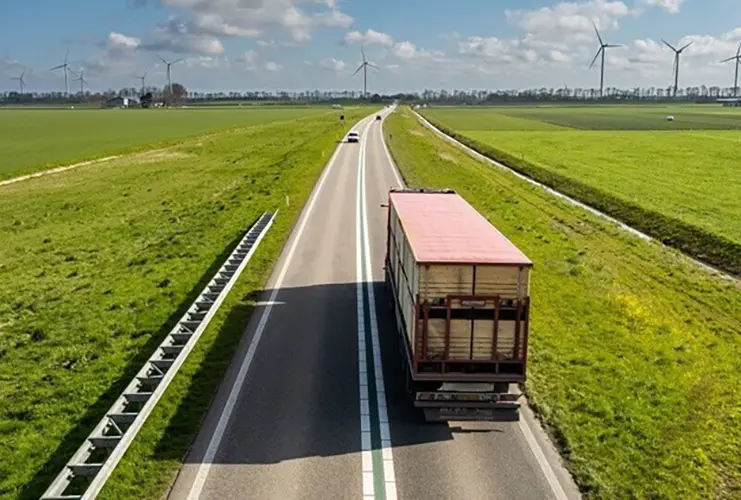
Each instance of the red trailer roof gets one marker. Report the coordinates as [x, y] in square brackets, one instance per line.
[445, 228]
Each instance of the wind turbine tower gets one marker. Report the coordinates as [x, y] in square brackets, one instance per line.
[364, 67]
[737, 59]
[82, 81]
[64, 67]
[675, 71]
[602, 48]
[169, 75]
[142, 79]
[21, 81]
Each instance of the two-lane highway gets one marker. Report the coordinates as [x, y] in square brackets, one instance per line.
[312, 407]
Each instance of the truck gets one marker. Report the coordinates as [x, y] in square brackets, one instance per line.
[460, 294]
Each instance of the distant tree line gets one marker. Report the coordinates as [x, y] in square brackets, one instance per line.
[180, 95]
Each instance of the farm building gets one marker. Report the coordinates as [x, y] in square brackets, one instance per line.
[730, 102]
[119, 102]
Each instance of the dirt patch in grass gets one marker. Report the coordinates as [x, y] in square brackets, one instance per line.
[447, 157]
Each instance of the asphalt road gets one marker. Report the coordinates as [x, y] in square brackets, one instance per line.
[301, 413]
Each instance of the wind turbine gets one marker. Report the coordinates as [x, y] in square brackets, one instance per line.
[675, 71]
[364, 67]
[142, 79]
[736, 58]
[82, 81]
[64, 67]
[169, 74]
[20, 80]
[601, 50]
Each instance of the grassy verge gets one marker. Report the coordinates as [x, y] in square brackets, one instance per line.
[96, 266]
[35, 140]
[635, 354]
[701, 243]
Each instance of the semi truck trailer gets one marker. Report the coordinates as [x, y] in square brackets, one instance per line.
[460, 294]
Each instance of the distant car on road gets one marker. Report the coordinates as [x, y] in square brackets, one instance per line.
[378, 117]
[353, 137]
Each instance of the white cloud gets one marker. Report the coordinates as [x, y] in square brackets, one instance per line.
[408, 51]
[671, 6]
[250, 18]
[182, 38]
[273, 66]
[336, 65]
[371, 37]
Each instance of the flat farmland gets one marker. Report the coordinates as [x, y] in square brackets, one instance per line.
[677, 181]
[98, 263]
[36, 139]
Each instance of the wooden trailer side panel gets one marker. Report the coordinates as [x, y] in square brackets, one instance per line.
[472, 339]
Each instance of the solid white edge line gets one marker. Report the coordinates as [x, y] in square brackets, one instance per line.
[383, 421]
[226, 413]
[540, 457]
[392, 164]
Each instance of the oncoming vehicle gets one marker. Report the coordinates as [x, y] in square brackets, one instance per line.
[378, 117]
[353, 137]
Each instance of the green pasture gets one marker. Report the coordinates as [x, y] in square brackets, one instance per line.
[36, 139]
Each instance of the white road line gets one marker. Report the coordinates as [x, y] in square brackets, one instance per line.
[390, 160]
[365, 421]
[545, 465]
[386, 447]
[226, 413]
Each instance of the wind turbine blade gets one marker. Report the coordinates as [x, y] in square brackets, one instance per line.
[680, 50]
[598, 35]
[738, 52]
[66, 55]
[595, 57]
[145, 74]
[729, 59]
[359, 68]
[162, 59]
[57, 67]
[373, 66]
[175, 62]
[669, 45]
[363, 52]
[676, 63]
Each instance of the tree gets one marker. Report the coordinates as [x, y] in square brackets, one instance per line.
[146, 100]
[177, 93]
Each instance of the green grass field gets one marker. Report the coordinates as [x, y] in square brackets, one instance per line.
[680, 186]
[635, 357]
[36, 139]
[99, 262]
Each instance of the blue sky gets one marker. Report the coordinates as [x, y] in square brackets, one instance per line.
[417, 44]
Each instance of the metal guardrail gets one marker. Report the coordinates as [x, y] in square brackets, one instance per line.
[92, 464]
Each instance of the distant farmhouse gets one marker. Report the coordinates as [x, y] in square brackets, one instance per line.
[119, 102]
[730, 102]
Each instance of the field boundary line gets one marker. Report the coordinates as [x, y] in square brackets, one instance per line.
[117, 429]
[622, 225]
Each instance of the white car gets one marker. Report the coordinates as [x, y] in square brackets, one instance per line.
[353, 137]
